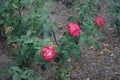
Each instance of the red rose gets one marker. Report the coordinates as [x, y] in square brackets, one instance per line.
[47, 53]
[99, 22]
[73, 29]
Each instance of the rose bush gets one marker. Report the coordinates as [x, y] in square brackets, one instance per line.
[115, 12]
[26, 27]
[73, 29]
[32, 31]
[47, 53]
[99, 22]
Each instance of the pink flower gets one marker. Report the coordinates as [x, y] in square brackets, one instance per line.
[73, 29]
[47, 53]
[99, 22]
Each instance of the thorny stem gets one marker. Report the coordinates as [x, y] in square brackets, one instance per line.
[54, 37]
[20, 14]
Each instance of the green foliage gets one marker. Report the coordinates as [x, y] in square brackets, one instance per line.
[116, 14]
[19, 17]
[68, 46]
[60, 74]
[17, 73]
[86, 11]
[26, 24]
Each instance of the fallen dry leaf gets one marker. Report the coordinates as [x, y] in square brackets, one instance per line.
[86, 55]
[84, 65]
[60, 27]
[14, 45]
[88, 78]
[69, 59]
[105, 44]
[7, 29]
[118, 71]
[53, 11]
[92, 48]
[107, 50]
[77, 68]
[100, 53]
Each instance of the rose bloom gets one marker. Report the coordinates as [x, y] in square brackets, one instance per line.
[73, 29]
[47, 53]
[99, 22]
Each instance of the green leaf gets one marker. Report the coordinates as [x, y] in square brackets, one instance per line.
[16, 77]
[23, 49]
[61, 41]
[89, 43]
[95, 44]
[47, 30]
[81, 40]
[28, 33]
[57, 50]
[33, 15]
[37, 44]
[98, 34]
[71, 18]
[37, 55]
[1, 21]
[28, 40]
[65, 65]
[13, 39]
[15, 6]
[45, 66]
[23, 76]
[46, 27]
[6, 4]
[38, 58]
[49, 3]
[76, 52]
[24, 1]
[46, 42]
[41, 2]
[66, 54]
[44, 14]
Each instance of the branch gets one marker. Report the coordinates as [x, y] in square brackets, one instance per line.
[19, 11]
[55, 37]
[20, 16]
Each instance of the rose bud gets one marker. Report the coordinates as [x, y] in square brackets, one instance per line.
[47, 53]
[73, 29]
[99, 22]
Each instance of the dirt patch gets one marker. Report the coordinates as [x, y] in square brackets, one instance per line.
[4, 59]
